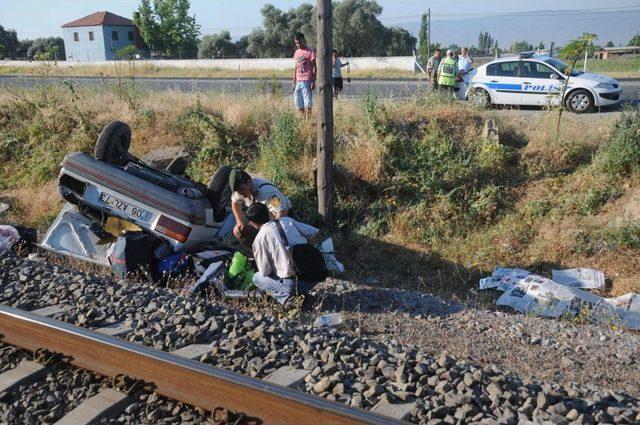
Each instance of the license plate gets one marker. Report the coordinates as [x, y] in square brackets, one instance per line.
[119, 204]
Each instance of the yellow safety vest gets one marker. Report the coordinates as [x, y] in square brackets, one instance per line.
[447, 76]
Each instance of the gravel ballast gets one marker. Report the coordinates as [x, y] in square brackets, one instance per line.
[402, 358]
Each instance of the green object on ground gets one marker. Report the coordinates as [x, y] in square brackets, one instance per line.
[240, 272]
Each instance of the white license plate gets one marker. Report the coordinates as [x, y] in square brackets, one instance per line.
[119, 204]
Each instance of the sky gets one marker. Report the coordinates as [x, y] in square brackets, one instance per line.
[43, 18]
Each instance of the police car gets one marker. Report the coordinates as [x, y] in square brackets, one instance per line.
[531, 79]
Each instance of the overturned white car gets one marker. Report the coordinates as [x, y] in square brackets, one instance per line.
[187, 216]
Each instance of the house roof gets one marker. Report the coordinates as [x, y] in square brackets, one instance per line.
[619, 49]
[100, 19]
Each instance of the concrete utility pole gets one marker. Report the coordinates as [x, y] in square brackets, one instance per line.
[324, 83]
[428, 33]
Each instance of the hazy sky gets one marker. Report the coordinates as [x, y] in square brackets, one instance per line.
[38, 18]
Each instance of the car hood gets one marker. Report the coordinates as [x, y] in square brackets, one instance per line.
[596, 78]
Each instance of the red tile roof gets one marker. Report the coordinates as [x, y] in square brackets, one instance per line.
[99, 19]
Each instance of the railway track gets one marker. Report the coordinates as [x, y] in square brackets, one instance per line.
[173, 375]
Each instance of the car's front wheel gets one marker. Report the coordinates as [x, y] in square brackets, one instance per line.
[479, 98]
[580, 101]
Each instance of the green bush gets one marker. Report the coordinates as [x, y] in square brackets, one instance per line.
[281, 149]
[210, 143]
[622, 154]
[596, 198]
[596, 241]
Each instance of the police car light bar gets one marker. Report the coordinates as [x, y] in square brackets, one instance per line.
[526, 55]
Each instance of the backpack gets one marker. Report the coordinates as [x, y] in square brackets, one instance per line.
[308, 262]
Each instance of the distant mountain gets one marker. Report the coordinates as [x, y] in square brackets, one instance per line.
[546, 26]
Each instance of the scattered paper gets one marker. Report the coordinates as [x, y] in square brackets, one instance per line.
[8, 237]
[540, 296]
[580, 278]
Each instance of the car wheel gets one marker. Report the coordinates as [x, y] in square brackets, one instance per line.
[113, 143]
[219, 192]
[178, 166]
[580, 101]
[479, 98]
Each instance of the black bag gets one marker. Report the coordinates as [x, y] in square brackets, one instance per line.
[133, 252]
[308, 262]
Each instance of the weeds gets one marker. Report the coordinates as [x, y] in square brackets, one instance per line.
[622, 154]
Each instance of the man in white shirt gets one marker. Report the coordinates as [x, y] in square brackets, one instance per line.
[276, 274]
[465, 62]
[247, 191]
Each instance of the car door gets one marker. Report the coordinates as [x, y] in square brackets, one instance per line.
[503, 78]
[541, 85]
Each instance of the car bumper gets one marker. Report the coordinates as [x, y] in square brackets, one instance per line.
[609, 97]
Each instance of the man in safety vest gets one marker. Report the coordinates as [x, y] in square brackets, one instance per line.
[447, 72]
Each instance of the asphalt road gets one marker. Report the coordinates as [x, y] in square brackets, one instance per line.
[355, 88]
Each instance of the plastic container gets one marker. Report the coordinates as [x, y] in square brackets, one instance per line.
[330, 319]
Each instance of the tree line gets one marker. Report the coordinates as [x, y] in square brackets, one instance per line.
[169, 30]
[44, 48]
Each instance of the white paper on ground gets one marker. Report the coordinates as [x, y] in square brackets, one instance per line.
[579, 278]
[8, 237]
[503, 278]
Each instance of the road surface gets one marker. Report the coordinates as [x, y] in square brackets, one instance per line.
[356, 88]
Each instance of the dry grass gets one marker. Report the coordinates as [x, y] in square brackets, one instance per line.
[547, 181]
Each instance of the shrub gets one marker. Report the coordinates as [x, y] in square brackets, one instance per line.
[211, 143]
[282, 148]
[596, 198]
[622, 155]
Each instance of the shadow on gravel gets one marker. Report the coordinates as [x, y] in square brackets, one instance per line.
[386, 265]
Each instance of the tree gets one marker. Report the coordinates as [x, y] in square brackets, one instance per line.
[129, 52]
[50, 48]
[485, 42]
[572, 52]
[635, 41]
[3, 51]
[275, 38]
[167, 28]
[423, 46]
[217, 46]
[541, 46]
[521, 46]
[399, 42]
[357, 30]
[9, 39]
[609, 44]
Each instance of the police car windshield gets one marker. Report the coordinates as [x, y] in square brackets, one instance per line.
[562, 67]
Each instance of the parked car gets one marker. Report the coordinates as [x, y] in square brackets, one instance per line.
[166, 204]
[530, 79]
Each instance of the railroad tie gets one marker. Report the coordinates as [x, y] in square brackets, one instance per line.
[287, 376]
[193, 351]
[115, 329]
[399, 411]
[49, 311]
[26, 373]
[108, 403]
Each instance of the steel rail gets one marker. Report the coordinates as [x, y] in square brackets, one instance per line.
[188, 381]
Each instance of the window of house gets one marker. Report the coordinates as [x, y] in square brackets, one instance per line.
[76, 36]
[90, 35]
[114, 35]
[131, 37]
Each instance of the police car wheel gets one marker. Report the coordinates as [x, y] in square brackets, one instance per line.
[480, 98]
[580, 102]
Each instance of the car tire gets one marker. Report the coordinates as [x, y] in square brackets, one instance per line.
[178, 166]
[219, 192]
[113, 143]
[480, 98]
[580, 101]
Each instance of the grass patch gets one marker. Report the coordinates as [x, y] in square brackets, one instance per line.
[422, 200]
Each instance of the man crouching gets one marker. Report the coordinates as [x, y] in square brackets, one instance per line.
[276, 273]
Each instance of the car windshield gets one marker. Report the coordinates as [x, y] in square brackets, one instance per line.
[562, 67]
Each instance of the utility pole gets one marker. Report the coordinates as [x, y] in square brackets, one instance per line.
[324, 82]
[428, 33]
[551, 48]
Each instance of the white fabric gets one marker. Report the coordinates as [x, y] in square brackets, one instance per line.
[269, 250]
[265, 194]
